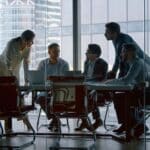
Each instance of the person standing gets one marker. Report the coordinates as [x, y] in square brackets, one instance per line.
[113, 33]
[16, 51]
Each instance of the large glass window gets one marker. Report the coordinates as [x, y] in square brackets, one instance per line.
[51, 20]
[99, 13]
[117, 10]
[135, 10]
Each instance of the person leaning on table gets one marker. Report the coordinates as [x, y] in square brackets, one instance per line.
[16, 51]
[113, 33]
[136, 74]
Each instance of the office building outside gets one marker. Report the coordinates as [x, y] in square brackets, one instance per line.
[52, 22]
[38, 15]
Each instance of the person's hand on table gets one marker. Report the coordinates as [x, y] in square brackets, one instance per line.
[111, 75]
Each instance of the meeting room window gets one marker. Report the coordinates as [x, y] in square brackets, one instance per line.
[52, 21]
[129, 14]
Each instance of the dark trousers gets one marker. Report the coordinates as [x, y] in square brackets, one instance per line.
[44, 103]
[96, 114]
[125, 105]
[92, 107]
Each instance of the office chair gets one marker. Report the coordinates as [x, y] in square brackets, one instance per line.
[12, 107]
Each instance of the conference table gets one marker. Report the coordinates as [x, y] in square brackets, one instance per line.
[61, 87]
[103, 87]
[77, 82]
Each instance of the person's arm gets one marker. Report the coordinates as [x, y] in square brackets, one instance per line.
[26, 65]
[65, 68]
[122, 39]
[112, 74]
[118, 49]
[116, 64]
[132, 73]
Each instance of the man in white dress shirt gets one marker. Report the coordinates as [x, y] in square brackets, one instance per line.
[52, 66]
[16, 51]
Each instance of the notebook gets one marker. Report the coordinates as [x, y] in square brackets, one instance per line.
[36, 77]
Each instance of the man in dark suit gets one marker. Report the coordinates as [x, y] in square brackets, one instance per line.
[95, 69]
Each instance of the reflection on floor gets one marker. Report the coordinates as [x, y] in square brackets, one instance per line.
[46, 140]
[80, 143]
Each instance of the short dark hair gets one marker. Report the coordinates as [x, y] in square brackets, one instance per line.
[95, 49]
[53, 45]
[130, 47]
[113, 26]
[28, 35]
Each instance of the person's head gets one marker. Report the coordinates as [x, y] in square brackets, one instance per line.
[27, 38]
[128, 52]
[53, 50]
[93, 51]
[112, 30]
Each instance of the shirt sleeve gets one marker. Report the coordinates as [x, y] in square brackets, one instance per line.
[40, 66]
[65, 68]
[26, 65]
[117, 57]
[134, 70]
[118, 49]
[116, 64]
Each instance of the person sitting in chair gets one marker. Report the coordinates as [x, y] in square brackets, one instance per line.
[52, 66]
[136, 74]
[95, 69]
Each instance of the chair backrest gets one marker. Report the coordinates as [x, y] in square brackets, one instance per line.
[8, 94]
[68, 93]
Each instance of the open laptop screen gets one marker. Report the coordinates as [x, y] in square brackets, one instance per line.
[36, 77]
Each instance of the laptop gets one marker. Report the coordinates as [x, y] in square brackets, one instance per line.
[36, 77]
